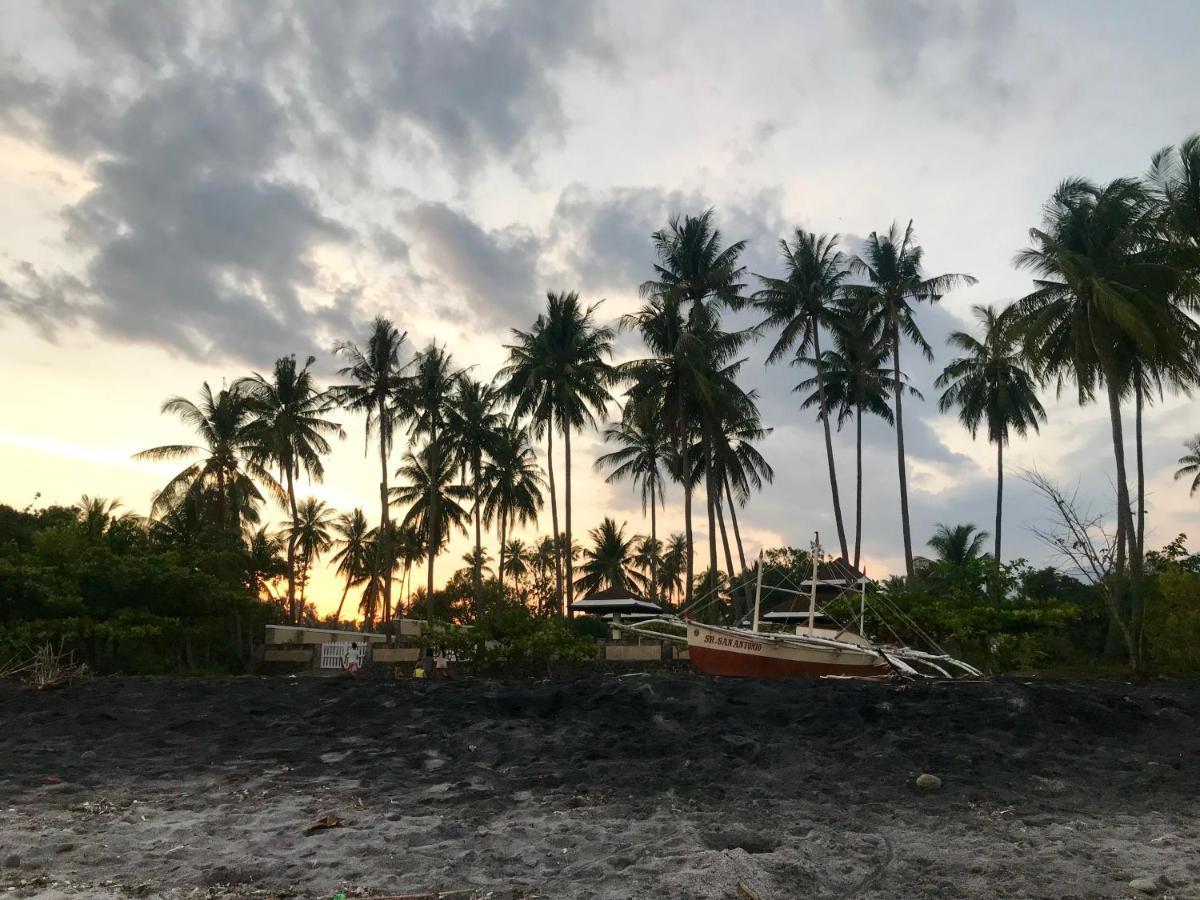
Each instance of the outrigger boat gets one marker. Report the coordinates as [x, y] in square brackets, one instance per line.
[813, 650]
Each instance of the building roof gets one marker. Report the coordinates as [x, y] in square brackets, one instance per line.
[614, 600]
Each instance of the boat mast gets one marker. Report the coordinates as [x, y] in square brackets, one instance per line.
[812, 594]
[862, 604]
[758, 589]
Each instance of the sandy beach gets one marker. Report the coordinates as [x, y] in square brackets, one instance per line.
[649, 786]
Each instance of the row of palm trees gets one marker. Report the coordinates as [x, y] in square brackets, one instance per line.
[1111, 311]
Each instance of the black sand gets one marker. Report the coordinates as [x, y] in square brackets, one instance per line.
[639, 786]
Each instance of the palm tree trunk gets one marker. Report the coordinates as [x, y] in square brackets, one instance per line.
[385, 518]
[858, 488]
[654, 547]
[1125, 518]
[737, 537]
[833, 484]
[1141, 469]
[432, 519]
[478, 547]
[738, 609]
[686, 475]
[569, 549]
[999, 493]
[222, 522]
[706, 449]
[900, 462]
[558, 575]
[291, 544]
[500, 565]
[338, 615]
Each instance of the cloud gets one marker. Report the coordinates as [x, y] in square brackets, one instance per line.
[491, 272]
[204, 134]
[958, 52]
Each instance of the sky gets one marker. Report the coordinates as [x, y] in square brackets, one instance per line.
[194, 189]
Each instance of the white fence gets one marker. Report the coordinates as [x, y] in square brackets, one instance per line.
[333, 655]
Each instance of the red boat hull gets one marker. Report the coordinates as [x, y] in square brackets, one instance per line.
[729, 663]
[737, 653]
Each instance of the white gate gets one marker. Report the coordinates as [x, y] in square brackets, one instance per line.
[333, 655]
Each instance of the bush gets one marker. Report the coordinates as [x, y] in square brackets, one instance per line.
[509, 635]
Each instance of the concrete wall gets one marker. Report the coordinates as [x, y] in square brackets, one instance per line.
[633, 652]
[391, 655]
[276, 654]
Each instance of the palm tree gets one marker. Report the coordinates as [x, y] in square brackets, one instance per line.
[609, 562]
[289, 430]
[990, 384]
[223, 482]
[353, 540]
[311, 537]
[516, 561]
[473, 423]
[410, 547]
[858, 379]
[433, 496]
[1104, 294]
[692, 268]
[688, 379]
[741, 470]
[263, 563]
[896, 282]
[800, 304]
[377, 390]
[429, 402]
[514, 492]
[558, 375]
[672, 564]
[1189, 464]
[959, 544]
[97, 514]
[642, 447]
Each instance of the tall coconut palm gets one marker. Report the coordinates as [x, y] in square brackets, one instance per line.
[741, 468]
[289, 430]
[428, 400]
[352, 537]
[1175, 177]
[312, 536]
[432, 493]
[958, 544]
[514, 486]
[517, 560]
[473, 425]
[377, 390]
[892, 265]
[695, 276]
[1189, 464]
[609, 561]
[558, 375]
[641, 448]
[858, 380]
[1104, 293]
[691, 367]
[223, 484]
[672, 565]
[800, 305]
[990, 384]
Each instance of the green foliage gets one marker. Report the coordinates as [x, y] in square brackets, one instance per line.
[1000, 616]
[1172, 625]
[124, 599]
[508, 634]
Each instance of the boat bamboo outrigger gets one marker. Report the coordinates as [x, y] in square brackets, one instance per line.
[825, 649]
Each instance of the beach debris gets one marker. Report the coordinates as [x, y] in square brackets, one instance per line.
[746, 892]
[326, 821]
[1145, 884]
[927, 782]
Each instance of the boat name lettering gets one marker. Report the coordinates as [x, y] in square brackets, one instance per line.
[736, 643]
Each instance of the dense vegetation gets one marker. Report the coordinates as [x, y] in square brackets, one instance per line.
[1111, 313]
